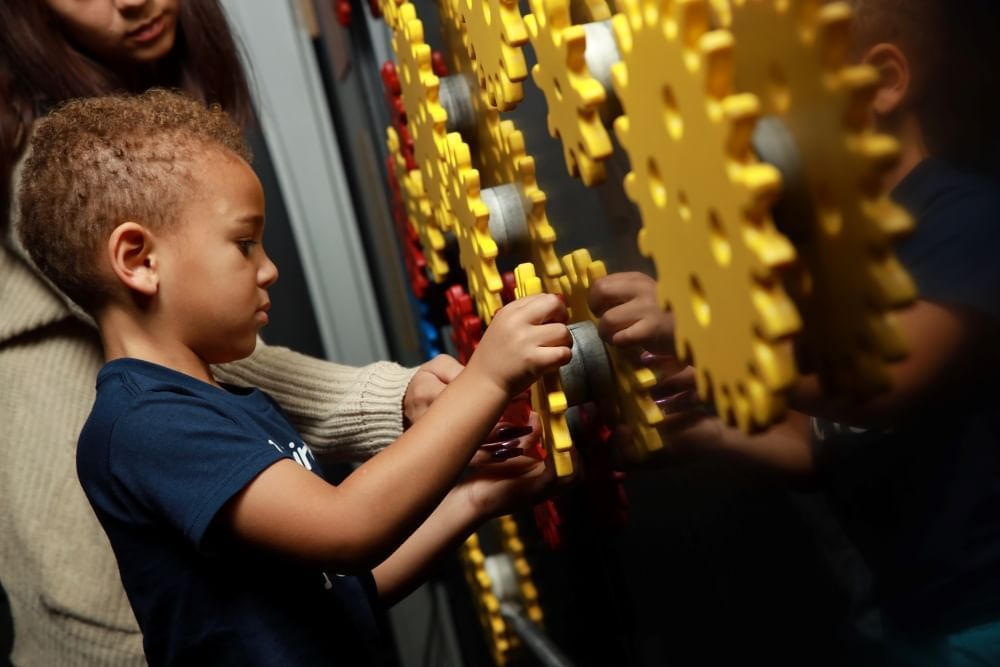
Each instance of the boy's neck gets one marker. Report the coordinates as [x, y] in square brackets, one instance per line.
[125, 336]
[912, 151]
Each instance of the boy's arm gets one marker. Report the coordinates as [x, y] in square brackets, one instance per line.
[947, 352]
[947, 346]
[496, 488]
[345, 413]
[356, 525]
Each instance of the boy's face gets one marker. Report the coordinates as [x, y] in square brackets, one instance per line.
[213, 270]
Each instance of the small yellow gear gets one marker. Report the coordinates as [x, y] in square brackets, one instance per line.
[705, 202]
[547, 397]
[510, 541]
[391, 11]
[793, 55]
[573, 96]
[425, 117]
[477, 249]
[495, 34]
[418, 209]
[501, 641]
[636, 407]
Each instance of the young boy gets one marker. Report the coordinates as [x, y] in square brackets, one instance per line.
[915, 473]
[231, 546]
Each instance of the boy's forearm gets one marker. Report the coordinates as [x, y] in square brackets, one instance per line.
[446, 528]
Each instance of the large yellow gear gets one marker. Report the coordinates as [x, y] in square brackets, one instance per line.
[418, 209]
[425, 117]
[636, 407]
[705, 202]
[495, 34]
[477, 249]
[547, 397]
[792, 53]
[572, 95]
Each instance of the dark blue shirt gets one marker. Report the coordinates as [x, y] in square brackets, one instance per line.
[159, 456]
[922, 500]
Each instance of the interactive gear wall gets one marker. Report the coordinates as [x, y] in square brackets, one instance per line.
[726, 148]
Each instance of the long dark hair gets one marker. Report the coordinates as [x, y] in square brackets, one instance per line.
[40, 67]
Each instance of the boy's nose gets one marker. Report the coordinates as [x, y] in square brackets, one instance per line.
[267, 274]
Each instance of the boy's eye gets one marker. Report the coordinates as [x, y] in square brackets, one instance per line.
[245, 245]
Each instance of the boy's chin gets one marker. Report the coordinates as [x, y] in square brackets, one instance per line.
[232, 352]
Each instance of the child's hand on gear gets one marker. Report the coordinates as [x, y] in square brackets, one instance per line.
[630, 313]
[526, 339]
[510, 479]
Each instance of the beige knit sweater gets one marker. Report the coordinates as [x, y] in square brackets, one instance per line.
[56, 563]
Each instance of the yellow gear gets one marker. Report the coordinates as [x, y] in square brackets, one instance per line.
[636, 408]
[477, 249]
[510, 541]
[547, 397]
[793, 56]
[572, 95]
[500, 640]
[391, 11]
[501, 154]
[418, 209]
[588, 11]
[705, 202]
[425, 117]
[495, 33]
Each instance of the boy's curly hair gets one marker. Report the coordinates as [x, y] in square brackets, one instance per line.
[98, 162]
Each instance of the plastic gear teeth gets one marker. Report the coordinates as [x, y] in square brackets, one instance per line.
[705, 202]
[477, 249]
[511, 149]
[572, 95]
[501, 642]
[424, 114]
[418, 211]
[633, 401]
[466, 326]
[510, 541]
[547, 397]
[495, 35]
[798, 66]
[413, 257]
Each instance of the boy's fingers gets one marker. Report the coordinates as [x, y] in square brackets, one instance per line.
[554, 334]
[542, 308]
[616, 289]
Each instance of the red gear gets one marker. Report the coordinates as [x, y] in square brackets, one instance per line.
[413, 255]
[397, 113]
[466, 326]
[343, 11]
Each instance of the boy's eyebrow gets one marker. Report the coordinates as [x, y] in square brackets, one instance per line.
[251, 219]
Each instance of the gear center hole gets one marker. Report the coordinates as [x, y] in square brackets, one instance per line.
[672, 115]
[699, 302]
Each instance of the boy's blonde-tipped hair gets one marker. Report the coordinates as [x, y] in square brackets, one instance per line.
[95, 163]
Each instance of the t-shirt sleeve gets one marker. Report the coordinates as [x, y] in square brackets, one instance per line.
[957, 263]
[180, 458]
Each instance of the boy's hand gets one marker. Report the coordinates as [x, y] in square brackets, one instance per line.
[630, 314]
[426, 384]
[510, 479]
[526, 339]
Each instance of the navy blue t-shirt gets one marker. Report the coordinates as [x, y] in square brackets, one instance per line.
[922, 501]
[159, 456]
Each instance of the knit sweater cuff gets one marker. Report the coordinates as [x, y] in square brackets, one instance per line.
[344, 413]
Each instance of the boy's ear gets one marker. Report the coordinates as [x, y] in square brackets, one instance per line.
[130, 250]
[894, 70]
